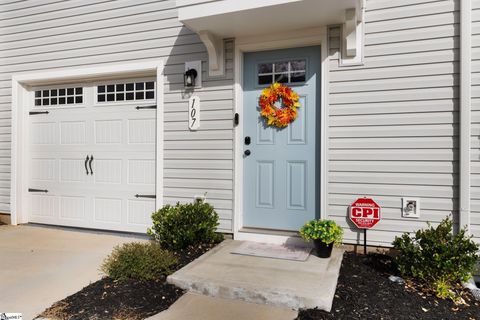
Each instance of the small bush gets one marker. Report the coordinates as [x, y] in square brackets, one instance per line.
[437, 257]
[136, 260]
[177, 227]
[325, 230]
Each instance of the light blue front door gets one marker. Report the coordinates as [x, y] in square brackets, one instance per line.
[281, 165]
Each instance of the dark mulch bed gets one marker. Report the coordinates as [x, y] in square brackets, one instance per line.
[365, 292]
[108, 299]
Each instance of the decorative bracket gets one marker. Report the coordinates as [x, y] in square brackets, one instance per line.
[350, 32]
[353, 39]
[215, 51]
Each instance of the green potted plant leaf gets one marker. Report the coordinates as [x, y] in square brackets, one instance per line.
[324, 234]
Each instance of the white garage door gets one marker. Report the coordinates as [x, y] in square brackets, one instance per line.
[92, 151]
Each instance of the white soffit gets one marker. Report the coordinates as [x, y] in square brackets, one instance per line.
[234, 18]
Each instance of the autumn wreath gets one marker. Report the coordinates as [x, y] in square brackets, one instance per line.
[279, 117]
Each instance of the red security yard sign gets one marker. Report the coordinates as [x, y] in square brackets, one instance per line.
[365, 213]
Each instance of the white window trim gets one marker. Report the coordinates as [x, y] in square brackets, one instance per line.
[22, 101]
[300, 38]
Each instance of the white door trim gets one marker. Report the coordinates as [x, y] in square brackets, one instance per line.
[22, 100]
[300, 38]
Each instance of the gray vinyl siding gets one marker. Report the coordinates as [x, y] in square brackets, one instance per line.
[48, 34]
[393, 122]
[475, 138]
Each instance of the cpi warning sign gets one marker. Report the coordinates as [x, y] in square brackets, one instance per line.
[365, 213]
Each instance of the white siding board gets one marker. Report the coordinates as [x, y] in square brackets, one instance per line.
[395, 84]
[445, 68]
[218, 174]
[92, 41]
[415, 58]
[375, 166]
[395, 107]
[374, 190]
[425, 179]
[394, 143]
[411, 46]
[125, 9]
[395, 95]
[184, 135]
[382, 4]
[410, 23]
[394, 131]
[102, 26]
[398, 119]
[426, 33]
[196, 164]
[394, 154]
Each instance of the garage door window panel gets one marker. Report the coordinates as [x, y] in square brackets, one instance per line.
[126, 91]
[54, 97]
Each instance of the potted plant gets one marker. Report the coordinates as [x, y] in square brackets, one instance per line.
[324, 233]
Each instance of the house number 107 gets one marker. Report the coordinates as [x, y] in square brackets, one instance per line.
[194, 113]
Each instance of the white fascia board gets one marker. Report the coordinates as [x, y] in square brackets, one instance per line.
[204, 10]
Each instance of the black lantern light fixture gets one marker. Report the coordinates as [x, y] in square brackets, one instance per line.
[189, 78]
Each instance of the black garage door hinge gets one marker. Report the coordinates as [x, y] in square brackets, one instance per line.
[32, 113]
[152, 196]
[146, 107]
[37, 190]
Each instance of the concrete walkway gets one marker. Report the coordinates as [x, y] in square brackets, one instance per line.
[193, 306]
[284, 283]
[41, 265]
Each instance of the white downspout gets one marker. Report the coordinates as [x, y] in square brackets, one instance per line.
[465, 117]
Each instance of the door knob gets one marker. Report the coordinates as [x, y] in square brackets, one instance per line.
[247, 152]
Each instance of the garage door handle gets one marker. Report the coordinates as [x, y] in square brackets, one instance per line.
[86, 161]
[90, 164]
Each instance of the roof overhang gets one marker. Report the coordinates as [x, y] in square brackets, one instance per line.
[214, 21]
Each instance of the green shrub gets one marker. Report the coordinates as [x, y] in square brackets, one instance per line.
[177, 227]
[136, 260]
[325, 230]
[437, 257]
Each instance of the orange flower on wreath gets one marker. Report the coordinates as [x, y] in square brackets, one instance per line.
[279, 117]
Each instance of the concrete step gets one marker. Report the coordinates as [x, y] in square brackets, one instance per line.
[199, 307]
[283, 283]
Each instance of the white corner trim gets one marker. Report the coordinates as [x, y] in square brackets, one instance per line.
[307, 37]
[21, 102]
[465, 112]
[215, 50]
[16, 153]
[160, 140]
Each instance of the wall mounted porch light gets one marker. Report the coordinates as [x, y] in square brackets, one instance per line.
[189, 78]
[192, 78]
